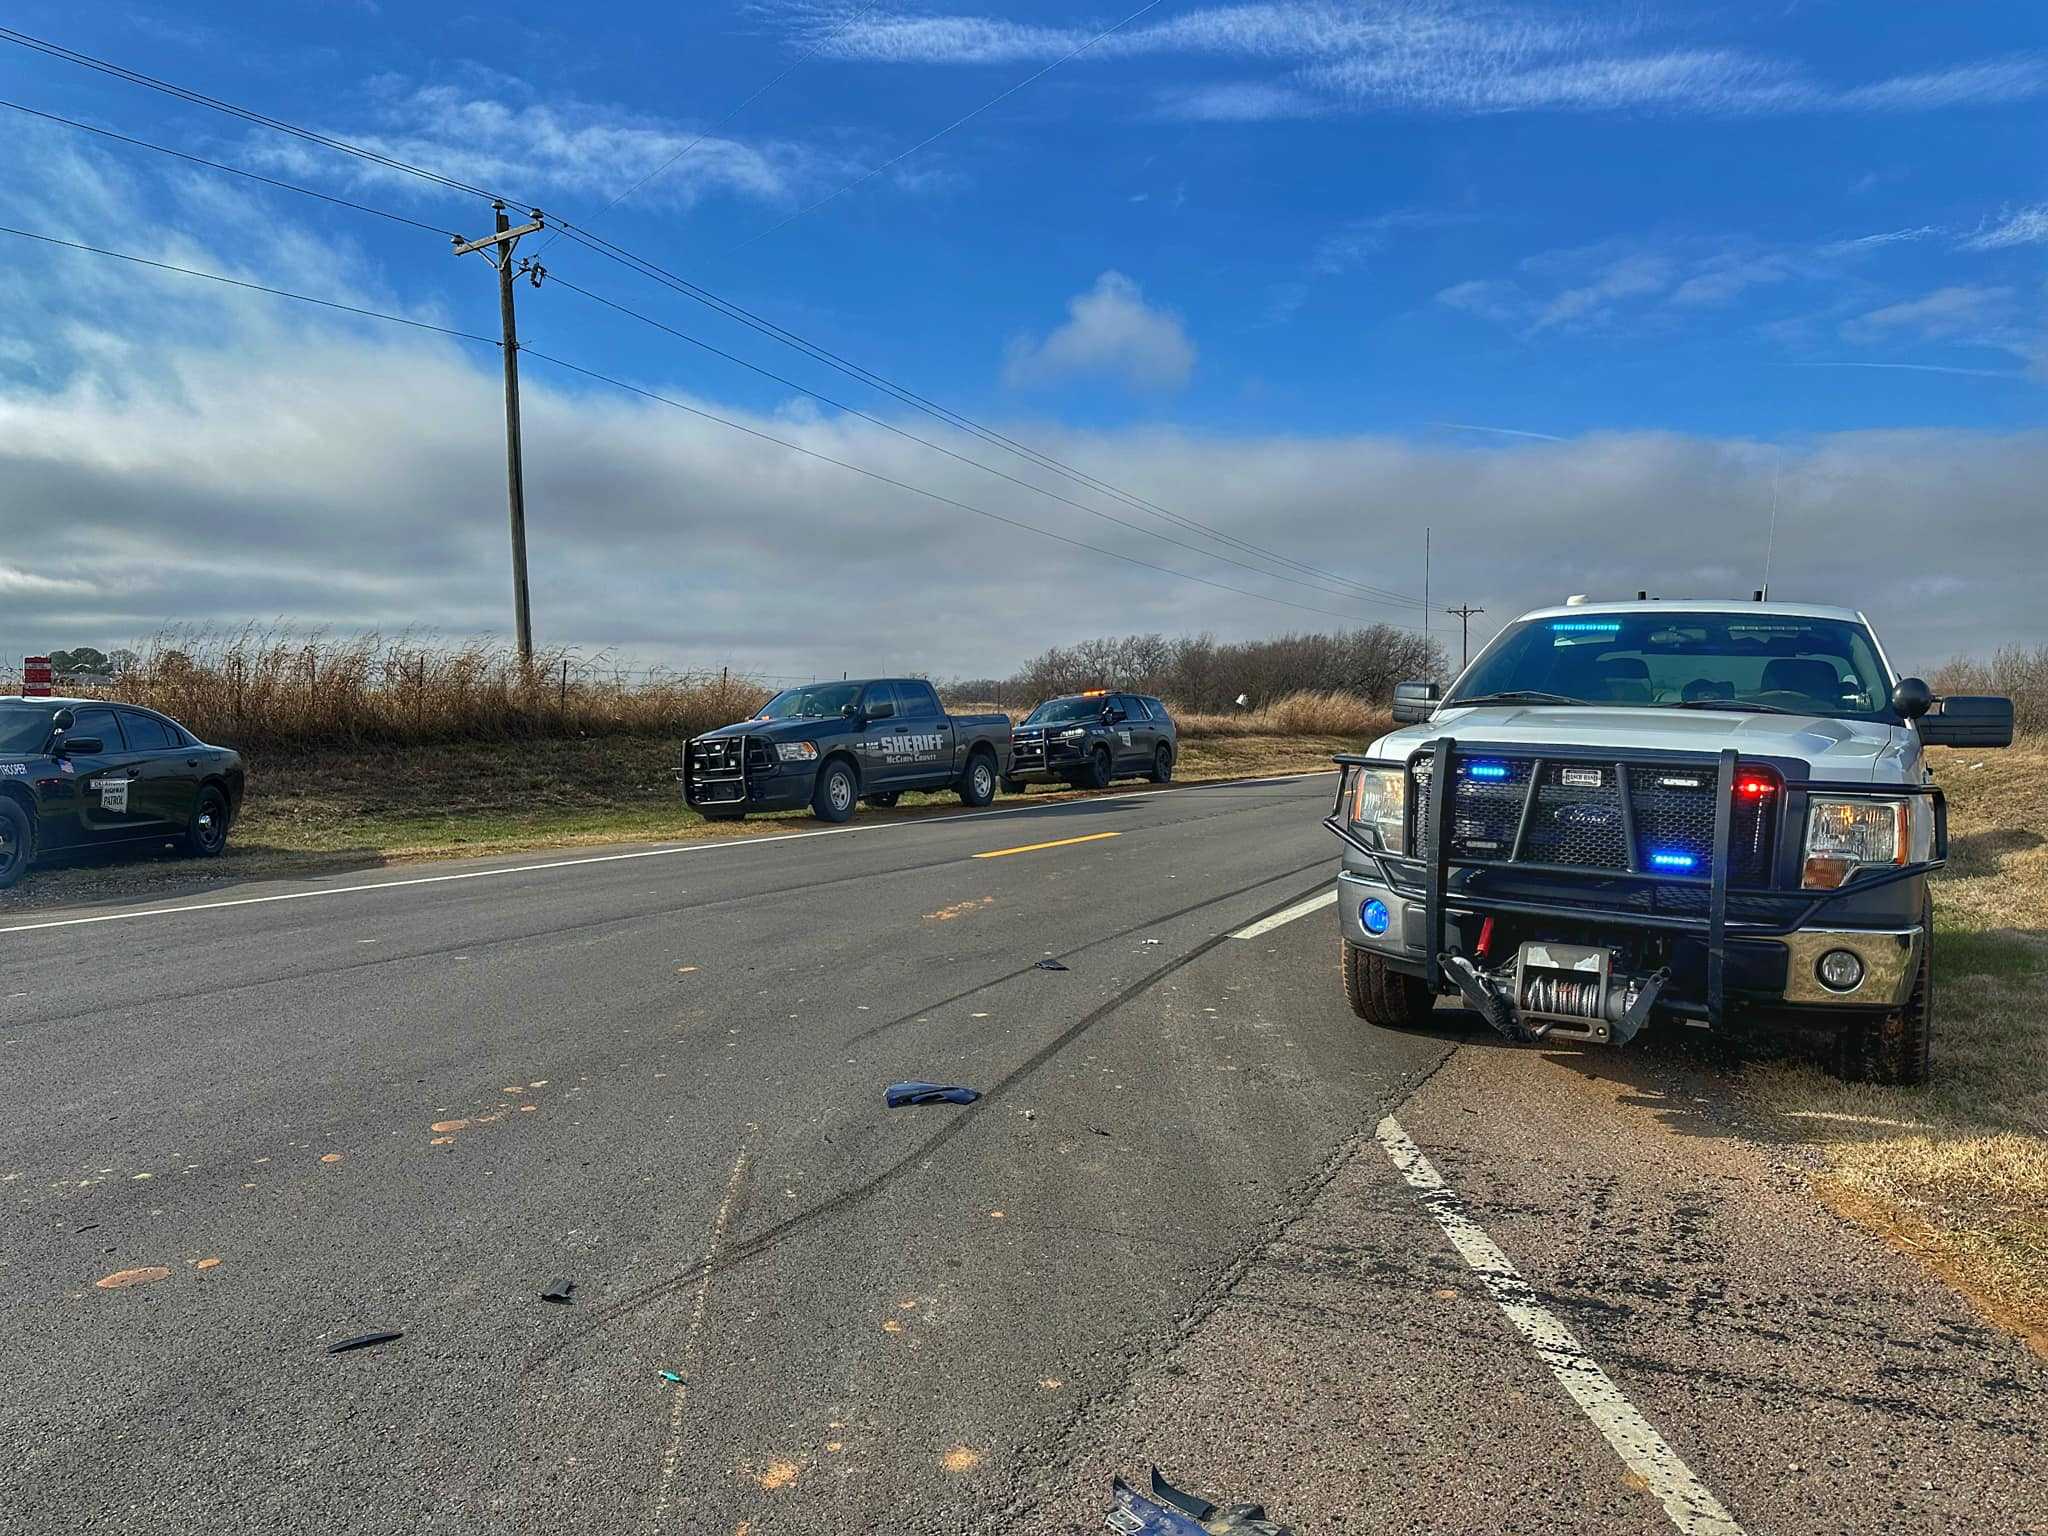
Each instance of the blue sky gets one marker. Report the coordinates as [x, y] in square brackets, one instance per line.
[1247, 238]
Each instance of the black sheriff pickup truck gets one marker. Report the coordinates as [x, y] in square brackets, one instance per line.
[829, 745]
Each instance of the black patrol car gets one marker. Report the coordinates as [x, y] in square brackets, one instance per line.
[1087, 739]
[83, 774]
[829, 745]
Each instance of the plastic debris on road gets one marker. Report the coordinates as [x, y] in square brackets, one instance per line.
[559, 1291]
[675, 1378]
[1172, 1512]
[1049, 965]
[365, 1341]
[900, 1094]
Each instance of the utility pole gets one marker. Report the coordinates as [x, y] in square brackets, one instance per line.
[1464, 611]
[497, 250]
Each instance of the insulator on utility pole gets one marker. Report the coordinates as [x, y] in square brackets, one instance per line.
[497, 249]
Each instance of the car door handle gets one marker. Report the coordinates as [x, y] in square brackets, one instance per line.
[191, 762]
[902, 730]
[134, 773]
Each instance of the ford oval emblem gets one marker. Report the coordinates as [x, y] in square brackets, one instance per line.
[1586, 818]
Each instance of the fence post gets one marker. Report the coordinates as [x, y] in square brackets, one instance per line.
[565, 690]
[419, 695]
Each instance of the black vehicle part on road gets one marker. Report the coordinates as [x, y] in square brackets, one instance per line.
[838, 789]
[1378, 993]
[207, 836]
[17, 841]
[365, 1341]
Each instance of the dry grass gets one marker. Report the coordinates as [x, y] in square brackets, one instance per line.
[267, 691]
[1958, 1171]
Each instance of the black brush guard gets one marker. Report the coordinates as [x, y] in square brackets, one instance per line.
[724, 770]
[1627, 896]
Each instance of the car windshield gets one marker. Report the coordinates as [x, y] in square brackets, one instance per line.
[1768, 662]
[24, 727]
[809, 702]
[1065, 711]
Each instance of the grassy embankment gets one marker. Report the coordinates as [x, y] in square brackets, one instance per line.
[1957, 1172]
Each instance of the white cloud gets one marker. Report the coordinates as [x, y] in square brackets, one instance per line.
[1941, 315]
[497, 133]
[1417, 56]
[1110, 332]
[2029, 226]
[1881, 239]
[16, 582]
[1631, 277]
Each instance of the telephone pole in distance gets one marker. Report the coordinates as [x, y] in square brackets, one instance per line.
[1464, 612]
[497, 250]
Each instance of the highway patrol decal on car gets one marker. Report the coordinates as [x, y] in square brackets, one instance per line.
[13, 770]
[113, 793]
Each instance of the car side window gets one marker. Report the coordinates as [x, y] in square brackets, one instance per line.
[146, 733]
[879, 701]
[100, 724]
[917, 699]
[1155, 709]
[1129, 707]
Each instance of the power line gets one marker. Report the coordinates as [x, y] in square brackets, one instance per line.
[618, 253]
[236, 282]
[231, 170]
[915, 490]
[926, 442]
[861, 181]
[246, 114]
[661, 169]
[946, 414]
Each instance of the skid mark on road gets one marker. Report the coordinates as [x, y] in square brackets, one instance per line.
[1685, 1498]
[693, 1352]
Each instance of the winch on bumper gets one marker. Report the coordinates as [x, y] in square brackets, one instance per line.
[1576, 893]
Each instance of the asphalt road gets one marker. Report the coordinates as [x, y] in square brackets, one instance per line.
[1171, 1229]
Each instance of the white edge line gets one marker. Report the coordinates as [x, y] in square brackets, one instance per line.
[1287, 915]
[1685, 1498]
[642, 853]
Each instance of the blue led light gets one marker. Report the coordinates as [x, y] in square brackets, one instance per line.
[1373, 916]
[1674, 860]
[1586, 627]
[1487, 770]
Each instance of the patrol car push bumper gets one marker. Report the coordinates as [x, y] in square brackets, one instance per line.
[744, 773]
[1800, 950]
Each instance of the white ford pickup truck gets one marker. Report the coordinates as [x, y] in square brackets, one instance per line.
[1694, 811]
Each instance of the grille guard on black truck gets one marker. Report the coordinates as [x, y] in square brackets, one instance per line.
[1596, 894]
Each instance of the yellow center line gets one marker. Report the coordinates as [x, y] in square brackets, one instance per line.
[1004, 853]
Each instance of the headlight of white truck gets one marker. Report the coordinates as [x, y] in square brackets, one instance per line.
[1843, 836]
[1379, 807]
[797, 751]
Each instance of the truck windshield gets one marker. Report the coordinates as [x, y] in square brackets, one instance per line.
[811, 702]
[24, 728]
[1065, 711]
[1763, 661]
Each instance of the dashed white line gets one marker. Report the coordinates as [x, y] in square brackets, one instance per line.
[639, 853]
[1685, 1498]
[1286, 915]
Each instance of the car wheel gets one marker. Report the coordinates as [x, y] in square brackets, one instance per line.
[978, 784]
[836, 793]
[1015, 786]
[885, 799]
[207, 836]
[1162, 765]
[17, 841]
[1896, 1048]
[1100, 769]
[1379, 994]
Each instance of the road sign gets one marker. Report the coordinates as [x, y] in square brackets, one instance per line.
[35, 677]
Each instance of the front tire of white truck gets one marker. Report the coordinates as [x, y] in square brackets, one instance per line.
[1896, 1048]
[1378, 993]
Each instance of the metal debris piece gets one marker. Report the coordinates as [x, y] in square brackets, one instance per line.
[559, 1291]
[365, 1341]
[1049, 965]
[899, 1094]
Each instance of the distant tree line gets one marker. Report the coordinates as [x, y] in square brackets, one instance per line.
[1201, 673]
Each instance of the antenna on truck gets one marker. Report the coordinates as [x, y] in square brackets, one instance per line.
[1771, 544]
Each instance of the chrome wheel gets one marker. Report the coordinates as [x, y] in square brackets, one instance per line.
[840, 790]
[984, 782]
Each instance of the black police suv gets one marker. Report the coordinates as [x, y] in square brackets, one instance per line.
[828, 745]
[83, 774]
[1089, 738]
